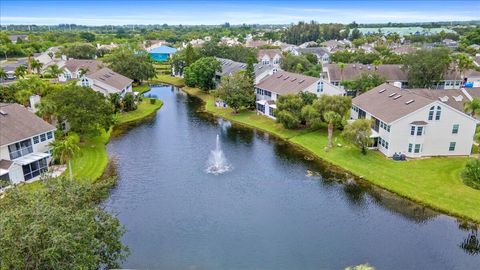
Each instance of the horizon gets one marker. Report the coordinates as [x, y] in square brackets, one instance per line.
[211, 12]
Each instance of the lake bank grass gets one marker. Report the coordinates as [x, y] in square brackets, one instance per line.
[434, 182]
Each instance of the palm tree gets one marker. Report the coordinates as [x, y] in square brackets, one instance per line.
[65, 150]
[20, 71]
[3, 74]
[54, 70]
[341, 66]
[46, 109]
[35, 64]
[23, 97]
[472, 107]
[331, 118]
[83, 71]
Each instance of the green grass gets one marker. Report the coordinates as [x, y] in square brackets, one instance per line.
[145, 87]
[434, 182]
[143, 110]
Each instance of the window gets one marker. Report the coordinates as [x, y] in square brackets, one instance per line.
[419, 131]
[261, 108]
[36, 140]
[268, 93]
[431, 112]
[439, 111]
[452, 146]
[43, 137]
[49, 135]
[34, 169]
[320, 87]
[417, 148]
[259, 91]
[20, 149]
[412, 130]
[410, 146]
[271, 111]
[455, 129]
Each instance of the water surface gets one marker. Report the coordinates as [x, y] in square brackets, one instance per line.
[274, 210]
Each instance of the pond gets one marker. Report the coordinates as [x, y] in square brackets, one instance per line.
[274, 208]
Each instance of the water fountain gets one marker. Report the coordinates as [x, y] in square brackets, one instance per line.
[217, 163]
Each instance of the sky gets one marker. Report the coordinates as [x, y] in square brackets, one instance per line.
[208, 12]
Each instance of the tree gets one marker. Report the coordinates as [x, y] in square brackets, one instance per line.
[85, 110]
[236, 91]
[46, 110]
[80, 51]
[358, 133]
[471, 173]
[341, 66]
[472, 107]
[364, 82]
[116, 101]
[331, 118]
[250, 70]
[54, 70]
[129, 102]
[426, 68]
[60, 226]
[3, 74]
[356, 34]
[137, 66]
[87, 36]
[37, 65]
[190, 55]
[64, 150]
[289, 110]
[463, 63]
[20, 71]
[202, 72]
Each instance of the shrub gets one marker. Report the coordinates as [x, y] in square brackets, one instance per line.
[153, 101]
[471, 174]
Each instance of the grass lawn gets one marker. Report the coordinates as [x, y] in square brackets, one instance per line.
[141, 88]
[431, 181]
[143, 110]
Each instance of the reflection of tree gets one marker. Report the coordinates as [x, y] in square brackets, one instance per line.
[355, 194]
[470, 244]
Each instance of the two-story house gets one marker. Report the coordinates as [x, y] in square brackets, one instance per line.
[417, 122]
[25, 139]
[75, 68]
[230, 67]
[107, 82]
[322, 53]
[269, 57]
[283, 83]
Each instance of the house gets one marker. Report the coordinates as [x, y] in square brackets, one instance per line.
[49, 58]
[15, 38]
[74, 68]
[417, 122]
[283, 83]
[402, 49]
[106, 47]
[230, 67]
[25, 139]
[333, 45]
[162, 53]
[284, 47]
[107, 82]
[450, 43]
[475, 47]
[393, 74]
[229, 41]
[322, 53]
[269, 56]
[152, 44]
[251, 43]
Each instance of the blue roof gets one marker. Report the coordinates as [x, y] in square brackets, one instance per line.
[164, 50]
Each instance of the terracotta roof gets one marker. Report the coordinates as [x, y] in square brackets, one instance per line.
[283, 82]
[73, 65]
[389, 103]
[111, 78]
[19, 123]
[269, 52]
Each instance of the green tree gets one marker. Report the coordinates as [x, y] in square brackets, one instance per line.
[85, 110]
[190, 55]
[364, 82]
[80, 51]
[60, 226]
[356, 34]
[54, 70]
[472, 107]
[426, 68]
[46, 110]
[20, 71]
[37, 65]
[129, 102]
[23, 97]
[3, 74]
[87, 36]
[116, 101]
[358, 133]
[341, 66]
[471, 173]
[331, 118]
[236, 91]
[250, 70]
[463, 63]
[65, 149]
[135, 65]
[289, 110]
[202, 73]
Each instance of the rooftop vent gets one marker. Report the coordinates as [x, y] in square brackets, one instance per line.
[279, 76]
[458, 98]
[382, 90]
[2, 112]
[410, 101]
[286, 78]
[301, 81]
[392, 94]
[294, 79]
[443, 99]
[397, 97]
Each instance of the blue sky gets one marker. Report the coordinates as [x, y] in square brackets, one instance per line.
[88, 12]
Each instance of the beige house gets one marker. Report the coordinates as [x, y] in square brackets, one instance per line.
[74, 68]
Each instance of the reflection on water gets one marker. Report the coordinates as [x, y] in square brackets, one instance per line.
[279, 209]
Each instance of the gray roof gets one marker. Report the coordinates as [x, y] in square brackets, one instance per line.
[5, 164]
[230, 67]
[111, 78]
[320, 51]
[73, 65]
[19, 123]
[270, 52]
[14, 38]
[473, 92]
[283, 82]
[389, 103]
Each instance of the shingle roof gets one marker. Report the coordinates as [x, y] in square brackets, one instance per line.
[269, 52]
[5, 164]
[230, 67]
[111, 78]
[389, 103]
[283, 82]
[19, 123]
[315, 50]
[73, 65]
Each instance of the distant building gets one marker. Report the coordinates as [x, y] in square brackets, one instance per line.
[251, 43]
[417, 122]
[25, 139]
[269, 56]
[162, 53]
[230, 67]
[322, 53]
[49, 58]
[107, 82]
[283, 83]
[15, 38]
[74, 68]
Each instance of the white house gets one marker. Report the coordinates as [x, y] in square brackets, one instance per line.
[230, 67]
[322, 53]
[417, 122]
[269, 57]
[106, 81]
[283, 83]
[24, 144]
[74, 68]
[49, 58]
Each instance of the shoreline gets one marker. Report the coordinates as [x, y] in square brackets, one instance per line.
[452, 212]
